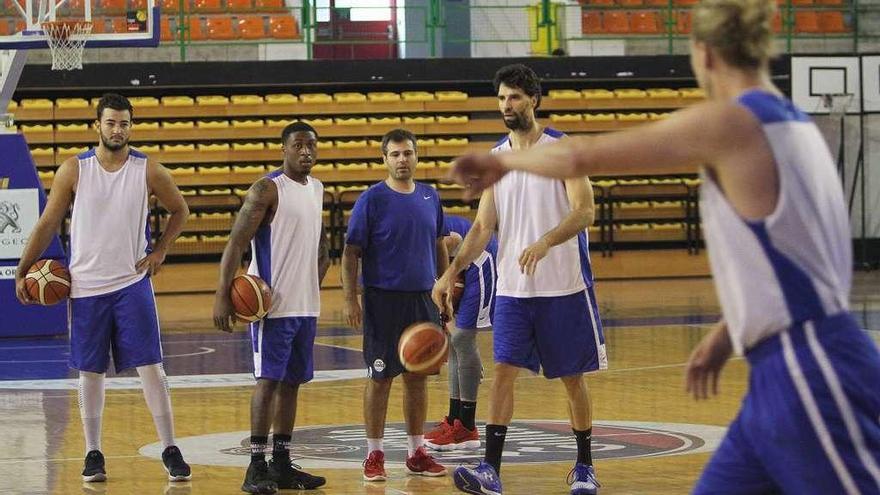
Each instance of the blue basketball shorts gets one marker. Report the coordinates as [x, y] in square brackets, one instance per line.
[283, 348]
[563, 335]
[124, 321]
[810, 421]
[478, 300]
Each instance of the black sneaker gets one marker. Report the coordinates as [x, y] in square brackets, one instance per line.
[94, 467]
[257, 479]
[290, 476]
[177, 468]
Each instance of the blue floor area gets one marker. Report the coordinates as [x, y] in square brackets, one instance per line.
[221, 353]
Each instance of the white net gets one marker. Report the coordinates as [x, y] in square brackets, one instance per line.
[837, 104]
[67, 39]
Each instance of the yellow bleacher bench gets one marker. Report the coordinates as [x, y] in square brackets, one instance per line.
[418, 119]
[311, 98]
[630, 93]
[254, 146]
[417, 96]
[36, 103]
[212, 100]
[213, 146]
[632, 117]
[355, 143]
[353, 166]
[599, 117]
[426, 164]
[322, 167]
[148, 125]
[662, 93]
[177, 171]
[317, 122]
[247, 124]
[143, 102]
[564, 94]
[282, 99]
[214, 191]
[566, 117]
[421, 143]
[174, 148]
[451, 96]
[41, 151]
[180, 124]
[452, 119]
[692, 93]
[350, 121]
[213, 170]
[72, 103]
[177, 101]
[36, 128]
[384, 120]
[349, 97]
[452, 141]
[248, 169]
[597, 94]
[76, 127]
[382, 97]
[212, 124]
[250, 99]
[148, 148]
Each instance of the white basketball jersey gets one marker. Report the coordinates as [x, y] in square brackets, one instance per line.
[528, 206]
[796, 264]
[285, 252]
[109, 227]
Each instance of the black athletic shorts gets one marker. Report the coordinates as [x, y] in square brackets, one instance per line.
[387, 313]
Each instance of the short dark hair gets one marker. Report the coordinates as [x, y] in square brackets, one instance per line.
[398, 136]
[297, 126]
[521, 77]
[114, 101]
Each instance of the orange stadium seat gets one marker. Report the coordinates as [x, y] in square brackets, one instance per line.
[118, 25]
[777, 23]
[165, 33]
[832, 22]
[111, 6]
[685, 2]
[602, 2]
[616, 22]
[657, 3]
[251, 28]
[283, 27]
[137, 4]
[208, 6]
[806, 22]
[196, 31]
[170, 6]
[5, 26]
[644, 22]
[591, 22]
[269, 5]
[801, 2]
[74, 6]
[220, 28]
[239, 5]
[630, 3]
[829, 2]
[683, 22]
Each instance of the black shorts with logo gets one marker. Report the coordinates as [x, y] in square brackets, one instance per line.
[387, 313]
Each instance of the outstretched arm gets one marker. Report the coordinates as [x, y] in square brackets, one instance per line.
[259, 202]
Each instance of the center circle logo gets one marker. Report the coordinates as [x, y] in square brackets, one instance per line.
[527, 442]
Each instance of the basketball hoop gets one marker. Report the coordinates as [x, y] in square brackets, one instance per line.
[67, 39]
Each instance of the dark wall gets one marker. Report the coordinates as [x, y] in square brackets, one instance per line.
[465, 74]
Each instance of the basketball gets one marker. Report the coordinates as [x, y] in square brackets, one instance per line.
[423, 348]
[251, 297]
[47, 282]
[457, 290]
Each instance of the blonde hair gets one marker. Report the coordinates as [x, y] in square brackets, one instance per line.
[740, 30]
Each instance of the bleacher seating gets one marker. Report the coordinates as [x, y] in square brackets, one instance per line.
[215, 148]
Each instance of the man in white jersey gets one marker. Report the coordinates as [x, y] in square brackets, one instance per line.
[111, 299]
[778, 239]
[281, 219]
[545, 310]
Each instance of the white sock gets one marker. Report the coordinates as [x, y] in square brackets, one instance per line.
[91, 407]
[413, 442]
[374, 444]
[158, 397]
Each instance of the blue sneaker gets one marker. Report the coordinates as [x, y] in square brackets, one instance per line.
[582, 480]
[481, 480]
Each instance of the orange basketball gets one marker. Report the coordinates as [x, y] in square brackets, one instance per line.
[47, 282]
[423, 348]
[251, 297]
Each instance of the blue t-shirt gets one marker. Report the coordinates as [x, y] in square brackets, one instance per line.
[397, 234]
[461, 226]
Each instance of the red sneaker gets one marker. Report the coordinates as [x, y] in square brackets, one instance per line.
[438, 430]
[422, 464]
[374, 466]
[457, 437]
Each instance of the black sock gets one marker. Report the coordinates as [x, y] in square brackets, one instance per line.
[468, 412]
[495, 435]
[258, 448]
[281, 447]
[454, 410]
[584, 440]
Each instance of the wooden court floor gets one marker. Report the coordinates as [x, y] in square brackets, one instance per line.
[649, 437]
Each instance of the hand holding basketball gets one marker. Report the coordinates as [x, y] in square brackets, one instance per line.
[47, 282]
[251, 297]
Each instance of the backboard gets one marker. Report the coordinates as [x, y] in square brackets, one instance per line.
[115, 23]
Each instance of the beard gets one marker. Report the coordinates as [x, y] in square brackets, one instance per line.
[112, 146]
[519, 122]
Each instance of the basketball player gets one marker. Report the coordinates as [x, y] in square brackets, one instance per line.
[458, 429]
[111, 297]
[396, 231]
[778, 239]
[545, 310]
[281, 219]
